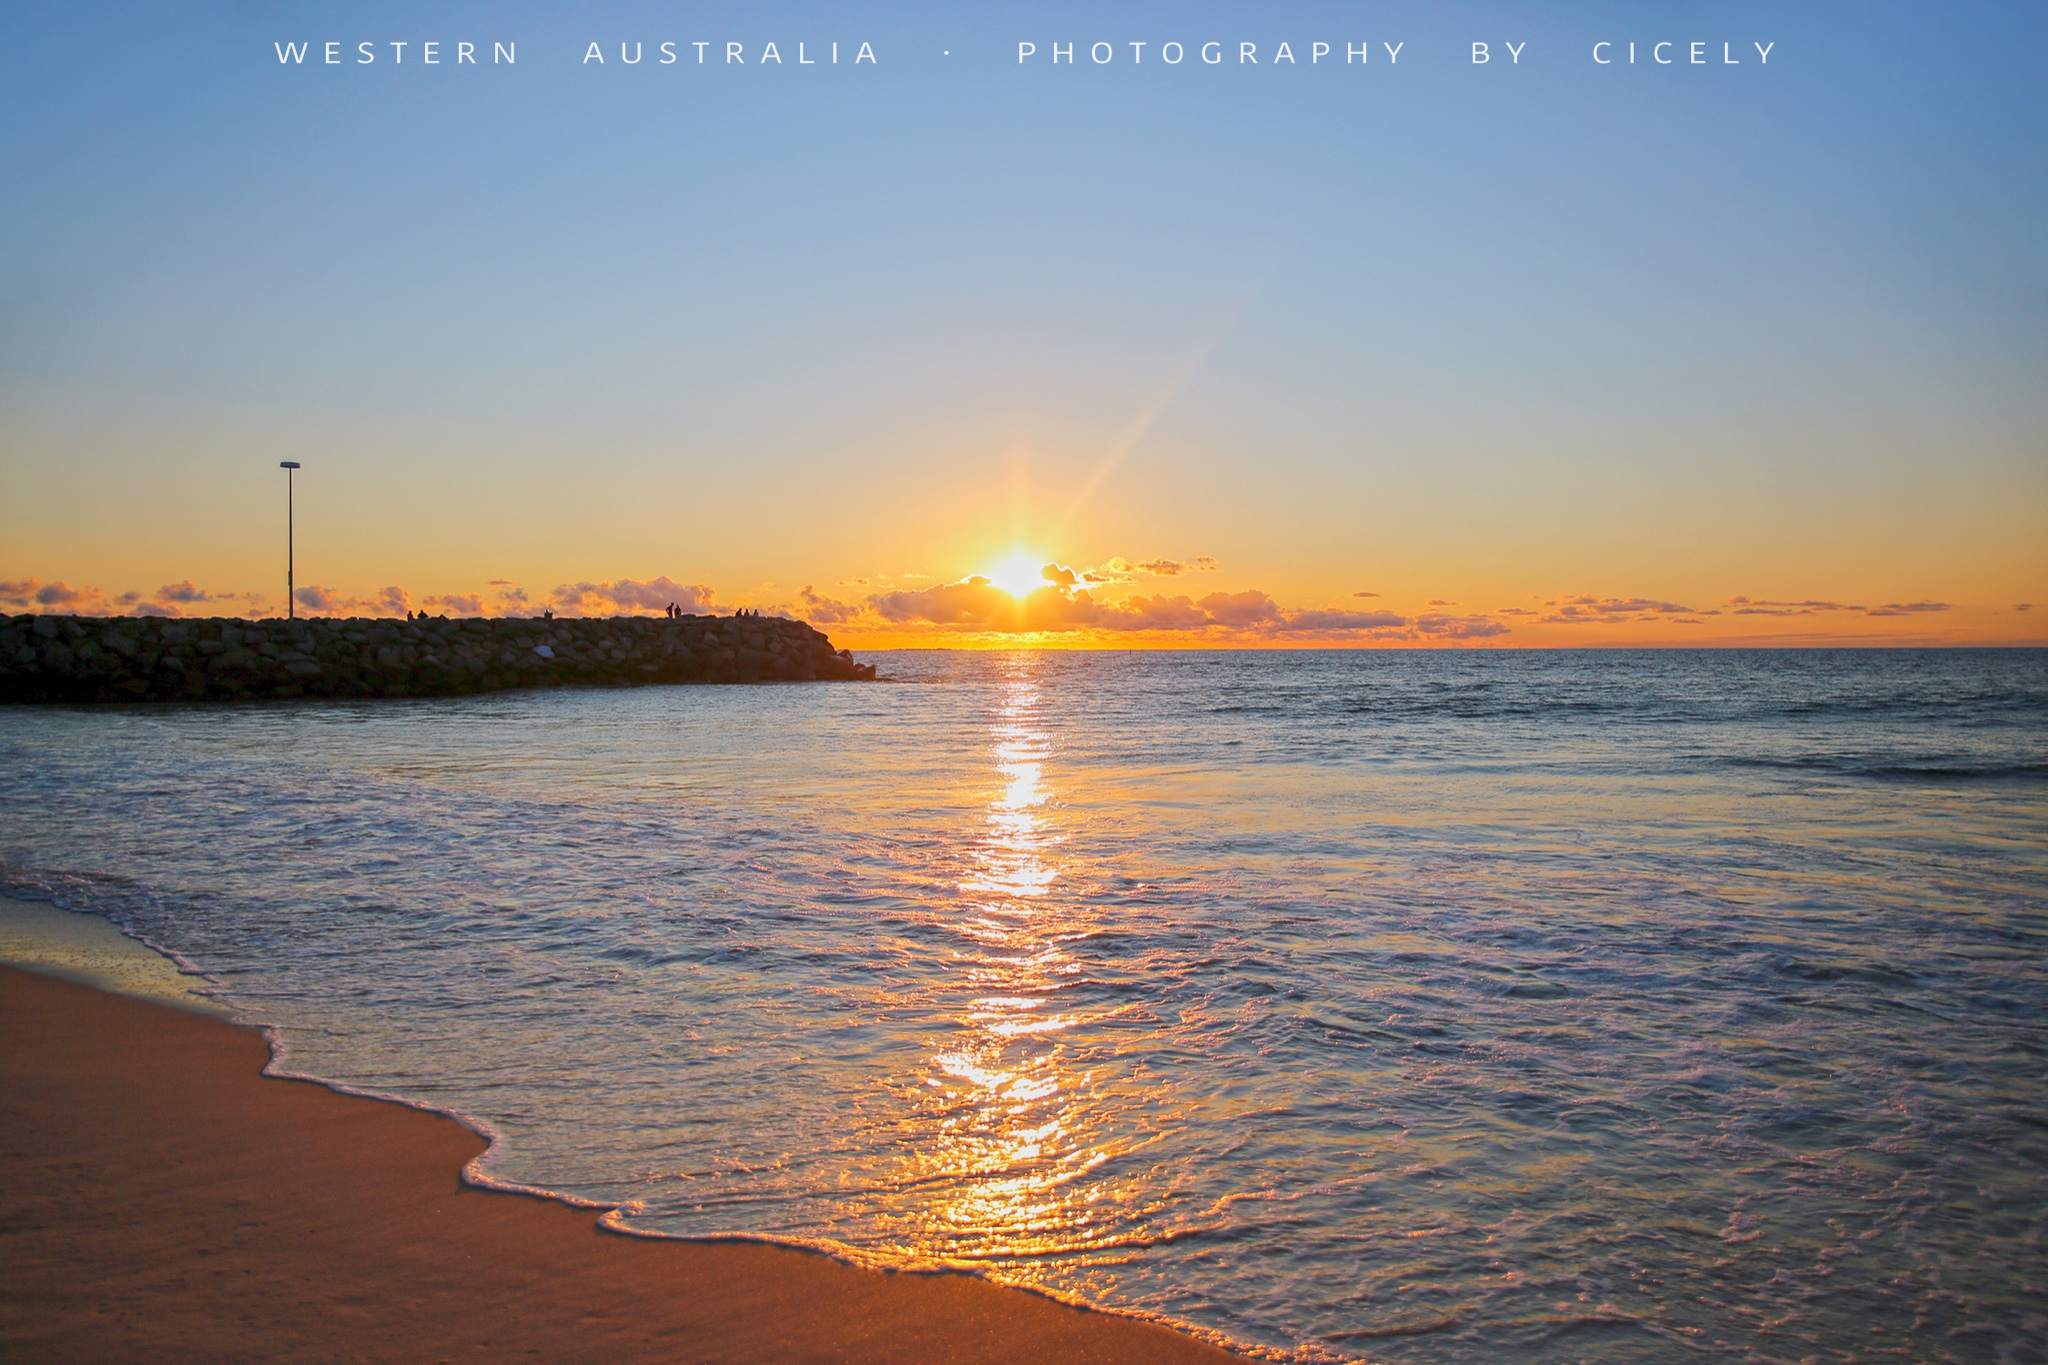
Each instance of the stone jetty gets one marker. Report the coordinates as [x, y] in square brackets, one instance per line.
[117, 659]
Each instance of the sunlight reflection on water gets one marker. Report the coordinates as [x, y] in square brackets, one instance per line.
[999, 1140]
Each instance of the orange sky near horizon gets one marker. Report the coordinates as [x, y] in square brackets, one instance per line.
[1172, 543]
[420, 520]
[1018, 601]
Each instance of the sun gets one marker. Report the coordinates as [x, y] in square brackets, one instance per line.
[1020, 575]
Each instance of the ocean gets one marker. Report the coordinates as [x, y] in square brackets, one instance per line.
[1411, 1006]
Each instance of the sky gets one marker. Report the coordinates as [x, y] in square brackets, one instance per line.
[965, 345]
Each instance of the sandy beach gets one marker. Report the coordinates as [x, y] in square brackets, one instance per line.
[160, 1199]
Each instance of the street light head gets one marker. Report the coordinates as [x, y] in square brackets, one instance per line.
[288, 464]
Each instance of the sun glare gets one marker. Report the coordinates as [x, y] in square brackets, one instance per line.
[1019, 575]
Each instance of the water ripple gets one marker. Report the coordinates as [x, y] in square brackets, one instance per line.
[1429, 1007]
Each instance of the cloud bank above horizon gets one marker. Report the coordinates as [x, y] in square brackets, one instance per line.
[1098, 605]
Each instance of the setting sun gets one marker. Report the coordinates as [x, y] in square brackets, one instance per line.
[1020, 575]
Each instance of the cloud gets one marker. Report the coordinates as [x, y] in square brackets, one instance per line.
[182, 592]
[1118, 569]
[1060, 574]
[58, 597]
[1365, 594]
[1332, 621]
[1743, 606]
[1250, 607]
[976, 604]
[460, 604]
[391, 601]
[1163, 613]
[2023, 606]
[1588, 610]
[1444, 627]
[819, 610]
[25, 592]
[629, 595]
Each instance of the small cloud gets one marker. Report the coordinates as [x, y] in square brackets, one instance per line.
[1586, 610]
[821, 610]
[2023, 606]
[1906, 608]
[628, 595]
[853, 582]
[1333, 621]
[59, 597]
[1120, 570]
[1060, 574]
[391, 601]
[459, 604]
[155, 609]
[1439, 602]
[316, 597]
[1744, 606]
[1459, 627]
[182, 592]
[1365, 594]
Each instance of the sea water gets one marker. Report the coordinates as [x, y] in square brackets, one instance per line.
[1424, 1007]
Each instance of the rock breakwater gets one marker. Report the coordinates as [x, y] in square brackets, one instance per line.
[100, 659]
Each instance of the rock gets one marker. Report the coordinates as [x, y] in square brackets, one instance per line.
[74, 659]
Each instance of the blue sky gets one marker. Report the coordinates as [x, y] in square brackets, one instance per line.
[1504, 330]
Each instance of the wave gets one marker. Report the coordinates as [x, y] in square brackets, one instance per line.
[1897, 770]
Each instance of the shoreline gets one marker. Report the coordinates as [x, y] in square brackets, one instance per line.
[164, 1200]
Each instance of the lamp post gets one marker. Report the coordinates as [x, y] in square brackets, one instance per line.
[290, 608]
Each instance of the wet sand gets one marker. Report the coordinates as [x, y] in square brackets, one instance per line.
[161, 1200]
[43, 938]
